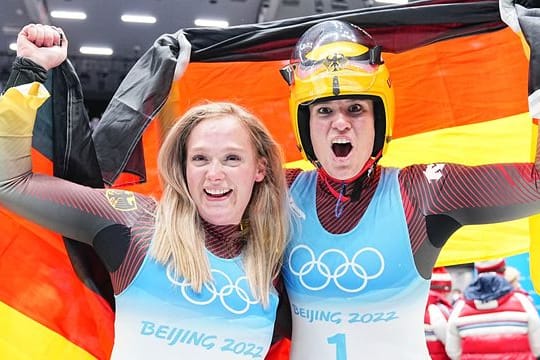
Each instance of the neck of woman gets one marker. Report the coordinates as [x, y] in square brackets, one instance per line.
[225, 241]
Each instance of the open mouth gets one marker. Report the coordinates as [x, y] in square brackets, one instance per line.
[217, 193]
[341, 148]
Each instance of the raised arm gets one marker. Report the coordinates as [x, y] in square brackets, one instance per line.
[44, 45]
[489, 193]
[75, 211]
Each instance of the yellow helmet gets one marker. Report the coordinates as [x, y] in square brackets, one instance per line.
[336, 59]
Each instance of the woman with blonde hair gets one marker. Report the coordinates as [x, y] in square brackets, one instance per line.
[192, 273]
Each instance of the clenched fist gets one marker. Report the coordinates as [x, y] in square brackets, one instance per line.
[43, 44]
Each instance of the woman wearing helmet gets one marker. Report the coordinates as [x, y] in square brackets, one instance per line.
[365, 237]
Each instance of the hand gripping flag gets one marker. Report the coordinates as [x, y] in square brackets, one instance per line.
[523, 18]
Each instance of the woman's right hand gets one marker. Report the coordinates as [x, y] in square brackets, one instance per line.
[43, 44]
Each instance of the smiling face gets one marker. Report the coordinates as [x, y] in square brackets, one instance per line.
[342, 134]
[221, 169]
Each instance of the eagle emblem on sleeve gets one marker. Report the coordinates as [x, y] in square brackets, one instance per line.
[121, 200]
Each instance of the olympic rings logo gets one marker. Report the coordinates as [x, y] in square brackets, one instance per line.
[316, 274]
[232, 296]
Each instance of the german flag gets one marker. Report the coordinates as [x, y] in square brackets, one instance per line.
[465, 92]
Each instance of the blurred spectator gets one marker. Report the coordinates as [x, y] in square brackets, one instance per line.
[493, 320]
[455, 295]
[437, 313]
[513, 276]
[462, 276]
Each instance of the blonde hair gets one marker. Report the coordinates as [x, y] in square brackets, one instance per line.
[180, 241]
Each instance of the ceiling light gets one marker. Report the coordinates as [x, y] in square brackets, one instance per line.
[144, 19]
[75, 15]
[10, 30]
[13, 46]
[210, 22]
[93, 50]
[393, 1]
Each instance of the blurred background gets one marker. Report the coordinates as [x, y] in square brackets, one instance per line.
[108, 36]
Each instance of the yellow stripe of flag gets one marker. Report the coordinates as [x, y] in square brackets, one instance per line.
[22, 338]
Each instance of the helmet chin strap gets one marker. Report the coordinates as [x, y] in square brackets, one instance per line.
[357, 181]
